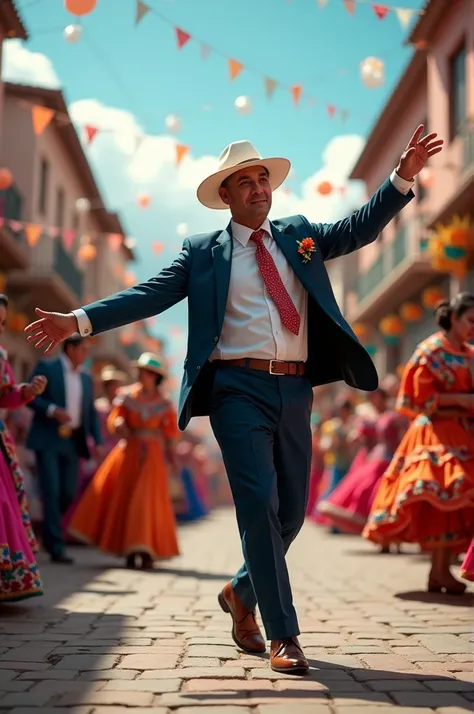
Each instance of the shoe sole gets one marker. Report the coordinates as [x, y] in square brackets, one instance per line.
[297, 671]
[225, 608]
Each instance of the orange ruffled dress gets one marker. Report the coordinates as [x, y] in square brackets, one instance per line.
[127, 507]
[426, 496]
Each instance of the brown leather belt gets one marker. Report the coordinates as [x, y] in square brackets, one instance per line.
[272, 366]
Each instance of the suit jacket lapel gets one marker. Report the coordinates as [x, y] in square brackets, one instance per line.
[61, 383]
[290, 250]
[222, 257]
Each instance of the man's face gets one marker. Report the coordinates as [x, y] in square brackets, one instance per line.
[78, 353]
[248, 195]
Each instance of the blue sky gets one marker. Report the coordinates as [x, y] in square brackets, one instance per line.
[130, 79]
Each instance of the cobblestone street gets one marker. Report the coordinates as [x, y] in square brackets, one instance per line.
[106, 640]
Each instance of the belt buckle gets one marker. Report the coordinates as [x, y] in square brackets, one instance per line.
[271, 368]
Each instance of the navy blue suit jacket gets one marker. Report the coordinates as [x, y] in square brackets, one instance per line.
[201, 273]
[43, 434]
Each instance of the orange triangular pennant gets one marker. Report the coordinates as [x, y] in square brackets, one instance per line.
[181, 151]
[296, 91]
[181, 37]
[41, 118]
[33, 233]
[381, 11]
[142, 9]
[270, 86]
[235, 68]
[350, 6]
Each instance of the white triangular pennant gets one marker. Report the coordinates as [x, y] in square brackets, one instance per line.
[322, 3]
[404, 15]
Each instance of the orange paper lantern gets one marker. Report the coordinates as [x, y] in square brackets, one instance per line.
[87, 252]
[411, 312]
[431, 297]
[80, 7]
[6, 179]
[144, 200]
[360, 330]
[324, 188]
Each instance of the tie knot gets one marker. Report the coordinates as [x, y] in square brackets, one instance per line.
[257, 236]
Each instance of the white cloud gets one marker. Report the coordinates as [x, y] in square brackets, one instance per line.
[25, 67]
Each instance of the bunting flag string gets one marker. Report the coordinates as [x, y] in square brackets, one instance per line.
[404, 15]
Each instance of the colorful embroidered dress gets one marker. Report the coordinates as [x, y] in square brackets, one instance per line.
[426, 496]
[467, 567]
[19, 576]
[127, 508]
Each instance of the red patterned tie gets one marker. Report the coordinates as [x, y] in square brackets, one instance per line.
[271, 277]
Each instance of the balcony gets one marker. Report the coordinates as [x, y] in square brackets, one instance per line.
[52, 278]
[468, 146]
[401, 268]
[13, 246]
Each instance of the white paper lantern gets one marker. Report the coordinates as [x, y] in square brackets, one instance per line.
[243, 105]
[182, 230]
[72, 33]
[83, 205]
[173, 123]
[372, 72]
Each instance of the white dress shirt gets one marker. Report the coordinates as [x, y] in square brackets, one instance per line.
[252, 325]
[73, 387]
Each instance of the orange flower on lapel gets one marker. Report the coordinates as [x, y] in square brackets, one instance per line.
[306, 248]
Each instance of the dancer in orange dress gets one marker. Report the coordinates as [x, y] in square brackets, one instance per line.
[427, 494]
[127, 509]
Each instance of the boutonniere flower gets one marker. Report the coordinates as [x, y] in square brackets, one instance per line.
[306, 248]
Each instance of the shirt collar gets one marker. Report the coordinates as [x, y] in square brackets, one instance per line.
[243, 233]
[67, 364]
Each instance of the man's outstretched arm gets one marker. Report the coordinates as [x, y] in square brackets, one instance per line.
[154, 296]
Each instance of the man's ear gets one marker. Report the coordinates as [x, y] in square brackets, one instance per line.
[224, 195]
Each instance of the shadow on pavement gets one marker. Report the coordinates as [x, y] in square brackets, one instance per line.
[464, 600]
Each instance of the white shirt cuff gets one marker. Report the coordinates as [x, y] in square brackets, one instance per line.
[401, 184]
[50, 410]
[83, 323]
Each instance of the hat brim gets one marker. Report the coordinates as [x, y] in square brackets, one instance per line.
[149, 368]
[208, 191]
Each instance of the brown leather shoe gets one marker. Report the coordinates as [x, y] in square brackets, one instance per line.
[287, 657]
[245, 631]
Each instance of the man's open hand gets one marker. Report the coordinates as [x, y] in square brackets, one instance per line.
[51, 329]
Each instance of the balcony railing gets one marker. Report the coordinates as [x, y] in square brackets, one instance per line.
[468, 144]
[65, 267]
[398, 247]
[369, 280]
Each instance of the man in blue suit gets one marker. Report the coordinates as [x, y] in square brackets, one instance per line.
[264, 328]
[64, 419]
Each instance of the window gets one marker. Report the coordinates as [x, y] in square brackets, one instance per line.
[43, 187]
[60, 201]
[457, 91]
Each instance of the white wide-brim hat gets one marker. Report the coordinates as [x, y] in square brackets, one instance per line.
[236, 157]
[150, 362]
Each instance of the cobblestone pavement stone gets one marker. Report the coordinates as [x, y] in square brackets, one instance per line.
[106, 640]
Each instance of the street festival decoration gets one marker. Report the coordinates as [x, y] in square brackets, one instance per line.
[173, 123]
[72, 33]
[411, 312]
[431, 297]
[6, 178]
[448, 246]
[372, 72]
[80, 7]
[243, 105]
[391, 328]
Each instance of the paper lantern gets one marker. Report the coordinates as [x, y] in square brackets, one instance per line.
[182, 229]
[243, 105]
[80, 7]
[144, 200]
[83, 205]
[87, 252]
[158, 247]
[360, 330]
[173, 123]
[411, 312]
[6, 179]
[17, 322]
[431, 297]
[324, 188]
[391, 328]
[372, 72]
[72, 33]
